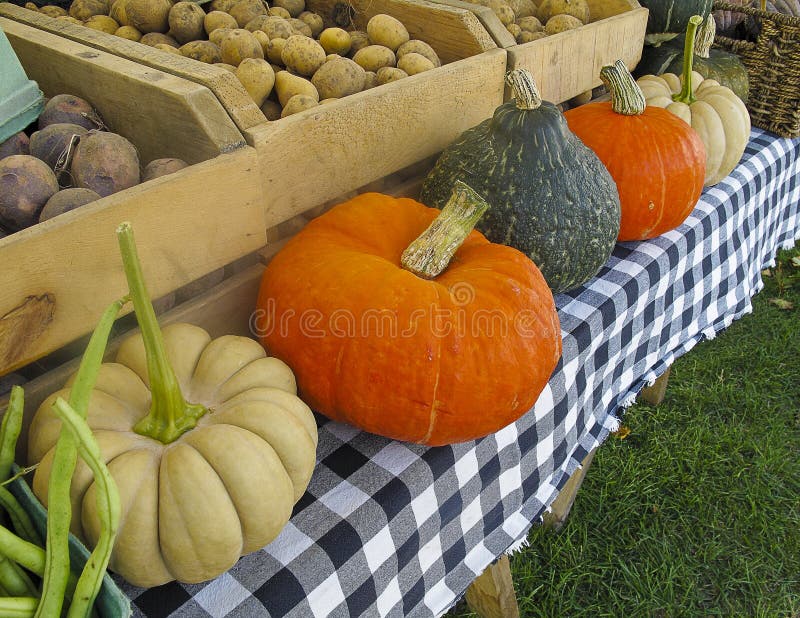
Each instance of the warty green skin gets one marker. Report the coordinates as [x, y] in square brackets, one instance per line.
[549, 194]
[672, 16]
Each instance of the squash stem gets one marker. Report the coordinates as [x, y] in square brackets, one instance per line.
[431, 252]
[705, 37]
[525, 92]
[626, 96]
[686, 95]
[170, 414]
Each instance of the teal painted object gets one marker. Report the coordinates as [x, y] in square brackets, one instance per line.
[21, 101]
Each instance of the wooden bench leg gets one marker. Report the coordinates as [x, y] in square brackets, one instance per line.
[561, 506]
[654, 395]
[492, 595]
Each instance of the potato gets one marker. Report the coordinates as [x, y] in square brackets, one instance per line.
[148, 15]
[53, 11]
[576, 8]
[128, 32]
[84, 9]
[227, 67]
[17, 144]
[295, 7]
[31, 7]
[414, 63]
[69, 108]
[503, 11]
[204, 51]
[118, 12]
[302, 55]
[298, 103]
[370, 80]
[157, 38]
[386, 30]
[275, 51]
[526, 36]
[186, 21]
[335, 41]
[66, 200]
[313, 21]
[522, 8]
[299, 27]
[514, 30]
[288, 85]
[239, 44]
[530, 23]
[562, 23]
[257, 77]
[263, 40]
[373, 57]
[271, 109]
[390, 74]
[247, 10]
[338, 78]
[50, 143]
[279, 11]
[70, 19]
[419, 47]
[216, 20]
[221, 5]
[217, 35]
[169, 49]
[102, 23]
[26, 183]
[105, 162]
[162, 167]
[358, 40]
[276, 27]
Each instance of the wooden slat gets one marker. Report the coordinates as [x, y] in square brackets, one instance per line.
[164, 115]
[559, 510]
[187, 224]
[654, 395]
[489, 20]
[351, 142]
[230, 92]
[492, 595]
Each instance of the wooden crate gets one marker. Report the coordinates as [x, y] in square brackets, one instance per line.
[314, 156]
[59, 275]
[567, 64]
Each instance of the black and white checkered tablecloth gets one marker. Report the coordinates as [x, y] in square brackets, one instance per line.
[393, 529]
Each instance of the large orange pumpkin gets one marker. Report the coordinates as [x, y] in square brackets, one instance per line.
[657, 160]
[434, 361]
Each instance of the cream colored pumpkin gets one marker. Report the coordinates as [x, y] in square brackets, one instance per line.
[192, 507]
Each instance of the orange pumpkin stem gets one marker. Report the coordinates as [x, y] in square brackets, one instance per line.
[686, 95]
[431, 252]
[170, 415]
[626, 96]
[525, 92]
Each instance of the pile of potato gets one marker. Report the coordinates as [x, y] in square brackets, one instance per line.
[529, 20]
[283, 54]
[68, 160]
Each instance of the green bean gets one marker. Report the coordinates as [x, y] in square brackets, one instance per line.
[18, 607]
[59, 508]
[108, 510]
[22, 552]
[20, 519]
[15, 580]
[9, 430]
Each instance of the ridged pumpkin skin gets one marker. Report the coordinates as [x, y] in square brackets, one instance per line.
[656, 159]
[225, 488]
[363, 338]
[550, 195]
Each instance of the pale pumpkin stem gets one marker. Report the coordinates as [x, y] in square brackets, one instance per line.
[170, 415]
[705, 37]
[525, 92]
[626, 96]
[431, 252]
[764, 5]
[686, 95]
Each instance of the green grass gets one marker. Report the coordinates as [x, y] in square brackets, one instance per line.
[697, 511]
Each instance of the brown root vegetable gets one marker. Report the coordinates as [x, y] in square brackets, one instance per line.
[415, 46]
[17, 144]
[313, 21]
[53, 11]
[373, 57]
[239, 44]
[246, 10]
[299, 103]
[162, 167]
[66, 200]
[204, 51]
[339, 78]
[288, 85]
[257, 77]
[271, 109]
[105, 162]
[26, 183]
[148, 15]
[302, 55]
[84, 9]
[157, 38]
[118, 12]
[72, 109]
[218, 19]
[186, 21]
[102, 23]
[335, 41]
[50, 143]
[295, 7]
[128, 32]
[386, 30]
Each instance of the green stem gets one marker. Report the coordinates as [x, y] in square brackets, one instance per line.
[108, 510]
[431, 252]
[686, 95]
[59, 508]
[10, 429]
[524, 89]
[170, 415]
[626, 96]
[18, 607]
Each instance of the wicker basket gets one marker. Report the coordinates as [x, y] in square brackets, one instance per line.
[773, 66]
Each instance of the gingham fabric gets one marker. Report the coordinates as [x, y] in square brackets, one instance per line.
[394, 529]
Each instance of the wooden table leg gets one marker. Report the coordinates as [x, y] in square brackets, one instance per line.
[492, 595]
[654, 395]
[561, 506]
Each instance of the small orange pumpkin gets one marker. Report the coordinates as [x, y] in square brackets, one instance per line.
[378, 339]
[657, 160]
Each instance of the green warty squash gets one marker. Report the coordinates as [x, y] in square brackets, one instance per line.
[669, 18]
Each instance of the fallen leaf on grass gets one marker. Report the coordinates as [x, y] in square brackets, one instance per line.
[795, 261]
[623, 432]
[767, 272]
[781, 303]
